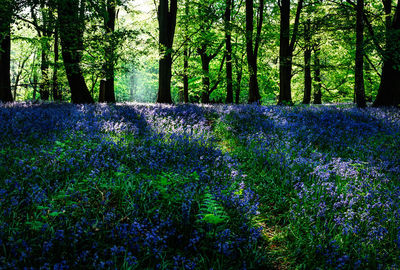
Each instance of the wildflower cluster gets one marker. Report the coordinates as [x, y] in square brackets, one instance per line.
[124, 186]
[329, 175]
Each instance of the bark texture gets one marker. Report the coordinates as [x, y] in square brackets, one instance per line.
[70, 15]
[359, 89]
[167, 10]
[5, 52]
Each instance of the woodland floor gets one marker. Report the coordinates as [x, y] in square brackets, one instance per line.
[136, 186]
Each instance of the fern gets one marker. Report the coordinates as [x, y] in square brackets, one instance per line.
[211, 211]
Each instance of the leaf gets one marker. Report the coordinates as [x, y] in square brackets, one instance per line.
[35, 225]
[55, 214]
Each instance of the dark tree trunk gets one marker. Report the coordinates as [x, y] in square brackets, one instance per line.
[359, 89]
[307, 63]
[45, 49]
[389, 89]
[254, 93]
[186, 75]
[317, 78]
[228, 45]
[109, 25]
[56, 90]
[167, 21]
[286, 49]
[102, 91]
[186, 56]
[35, 84]
[238, 84]
[71, 35]
[285, 57]
[205, 65]
[44, 68]
[5, 53]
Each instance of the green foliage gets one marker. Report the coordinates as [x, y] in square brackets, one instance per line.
[211, 211]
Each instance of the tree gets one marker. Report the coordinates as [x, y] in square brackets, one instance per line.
[286, 49]
[228, 51]
[186, 56]
[5, 50]
[57, 95]
[206, 58]
[359, 90]
[307, 62]
[71, 21]
[389, 89]
[252, 52]
[109, 26]
[166, 15]
[317, 76]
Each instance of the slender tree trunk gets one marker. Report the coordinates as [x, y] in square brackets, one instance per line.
[238, 84]
[71, 35]
[5, 52]
[389, 89]
[186, 75]
[317, 78]
[228, 45]
[307, 63]
[285, 57]
[109, 25]
[205, 64]
[35, 84]
[44, 68]
[102, 91]
[186, 56]
[287, 45]
[56, 90]
[254, 94]
[167, 21]
[359, 89]
[45, 49]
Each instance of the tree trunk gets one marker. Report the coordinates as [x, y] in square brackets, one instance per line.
[109, 25]
[285, 57]
[5, 53]
[44, 68]
[286, 48]
[186, 56]
[35, 84]
[359, 89]
[317, 78]
[55, 88]
[238, 84]
[102, 91]
[228, 45]
[71, 35]
[167, 21]
[186, 75]
[307, 63]
[205, 64]
[254, 94]
[389, 89]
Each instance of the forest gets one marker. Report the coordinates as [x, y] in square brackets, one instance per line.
[199, 134]
[211, 51]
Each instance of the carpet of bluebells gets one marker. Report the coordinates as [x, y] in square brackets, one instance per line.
[135, 186]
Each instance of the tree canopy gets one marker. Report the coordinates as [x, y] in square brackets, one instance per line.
[208, 51]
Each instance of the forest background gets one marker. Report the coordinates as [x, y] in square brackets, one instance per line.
[220, 51]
